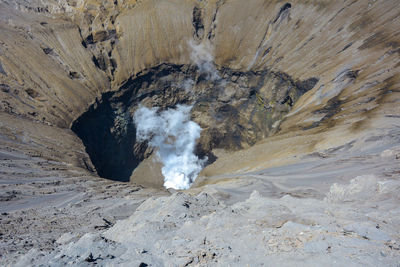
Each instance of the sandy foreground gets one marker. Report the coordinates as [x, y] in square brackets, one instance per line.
[335, 208]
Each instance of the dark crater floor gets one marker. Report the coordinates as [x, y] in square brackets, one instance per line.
[235, 109]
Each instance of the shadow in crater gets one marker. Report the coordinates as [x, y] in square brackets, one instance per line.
[111, 152]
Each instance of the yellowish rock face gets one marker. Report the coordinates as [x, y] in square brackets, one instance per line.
[57, 59]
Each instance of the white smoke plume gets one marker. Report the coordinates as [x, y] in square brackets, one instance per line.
[187, 85]
[202, 56]
[174, 135]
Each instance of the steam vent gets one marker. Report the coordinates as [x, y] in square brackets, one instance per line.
[199, 133]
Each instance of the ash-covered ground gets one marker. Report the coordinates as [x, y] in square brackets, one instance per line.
[334, 208]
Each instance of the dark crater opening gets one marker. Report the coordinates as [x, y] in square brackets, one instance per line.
[234, 111]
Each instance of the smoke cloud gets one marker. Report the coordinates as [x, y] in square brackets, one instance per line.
[171, 132]
[187, 85]
[202, 56]
[174, 136]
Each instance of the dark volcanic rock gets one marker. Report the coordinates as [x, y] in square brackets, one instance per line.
[234, 112]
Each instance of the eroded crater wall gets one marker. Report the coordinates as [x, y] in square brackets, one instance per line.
[56, 58]
[235, 110]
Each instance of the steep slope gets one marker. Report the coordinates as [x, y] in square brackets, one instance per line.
[282, 90]
[67, 54]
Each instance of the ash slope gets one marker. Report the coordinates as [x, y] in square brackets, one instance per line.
[57, 58]
[293, 221]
